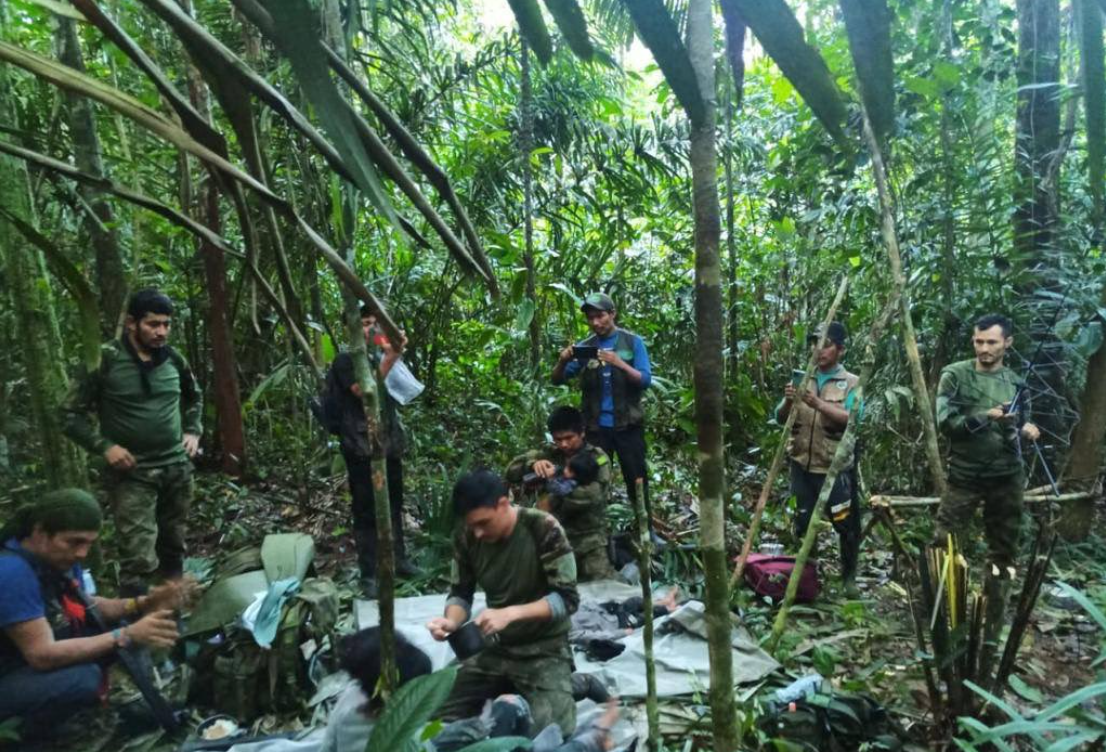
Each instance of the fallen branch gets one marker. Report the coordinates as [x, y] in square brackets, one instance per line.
[899, 502]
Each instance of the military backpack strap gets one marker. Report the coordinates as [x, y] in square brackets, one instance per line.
[187, 379]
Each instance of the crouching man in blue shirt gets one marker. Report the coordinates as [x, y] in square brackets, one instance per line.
[52, 657]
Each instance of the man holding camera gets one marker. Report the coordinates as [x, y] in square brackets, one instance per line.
[613, 366]
[820, 421]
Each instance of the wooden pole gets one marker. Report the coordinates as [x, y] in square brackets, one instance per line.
[645, 564]
[781, 450]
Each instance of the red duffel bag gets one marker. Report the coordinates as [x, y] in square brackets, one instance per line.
[768, 576]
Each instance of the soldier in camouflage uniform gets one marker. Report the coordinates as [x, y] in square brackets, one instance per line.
[141, 411]
[985, 466]
[583, 512]
[521, 559]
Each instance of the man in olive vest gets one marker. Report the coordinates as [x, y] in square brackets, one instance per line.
[612, 383]
[141, 410]
[820, 421]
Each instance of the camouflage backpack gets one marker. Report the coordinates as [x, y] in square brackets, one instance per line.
[831, 721]
[235, 675]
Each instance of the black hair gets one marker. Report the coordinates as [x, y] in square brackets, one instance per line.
[565, 418]
[585, 469]
[366, 311]
[149, 300]
[475, 490]
[995, 319]
[359, 656]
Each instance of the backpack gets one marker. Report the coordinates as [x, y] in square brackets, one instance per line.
[232, 673]
[832, 722]
[768, 576]
[327, 406]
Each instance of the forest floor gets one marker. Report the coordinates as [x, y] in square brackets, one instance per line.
[865, 644]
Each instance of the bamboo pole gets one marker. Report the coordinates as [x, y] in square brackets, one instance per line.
[781, 450]
[645, 559]
[841, 459]
[910, 340]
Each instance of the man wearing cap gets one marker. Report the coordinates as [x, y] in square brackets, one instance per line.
[52, 658]
[141, 411]
[820, 421]
[612, 384]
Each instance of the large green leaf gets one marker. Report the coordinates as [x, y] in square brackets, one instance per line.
[409, 709]
[658, 31]
[780, 34]
[868, 25]
[296, 30]
[532, 27]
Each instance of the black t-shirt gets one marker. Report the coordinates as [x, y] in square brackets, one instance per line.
[354, 426]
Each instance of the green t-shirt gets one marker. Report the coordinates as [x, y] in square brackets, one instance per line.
[978, 446]
[533, 562]
[146, 416]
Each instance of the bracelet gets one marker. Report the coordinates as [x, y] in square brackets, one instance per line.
[130, 606]
[120, 637]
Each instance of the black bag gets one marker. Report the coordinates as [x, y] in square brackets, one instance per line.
[327, 407]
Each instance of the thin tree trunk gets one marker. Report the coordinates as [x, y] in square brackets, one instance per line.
[709, 375]
[841, 458]
[735, 45]
[525, 146]
[225, 394]
[917, 375]
[645, 559]
[111, 277]
[36, 325]
[1085, 464]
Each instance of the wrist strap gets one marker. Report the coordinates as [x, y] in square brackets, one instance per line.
[120, 637]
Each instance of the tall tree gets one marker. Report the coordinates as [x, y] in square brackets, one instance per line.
[1085, 463]
[525, 147]
[228, 401]
[32, 299]
[111, 277]
[709, 376]
[1036, 194]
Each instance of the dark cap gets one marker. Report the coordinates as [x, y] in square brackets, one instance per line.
[837, 334]
[599, 301]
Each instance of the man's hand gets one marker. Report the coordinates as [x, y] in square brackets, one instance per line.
[119, 458]
[155, 630]
[494, 620]
[544, 468]
[191, 444]
[1031, 432]
[812, 400]
[441, 628]
[789, 392]
[565, 355]
[611, 358]
[172, 595]
[1001, 412]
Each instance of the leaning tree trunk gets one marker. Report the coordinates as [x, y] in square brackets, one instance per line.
[525, 146]
[709, 376]
[1037, 141]
[36, 325]
[111, 277]
[1085, 463]
[228, 400]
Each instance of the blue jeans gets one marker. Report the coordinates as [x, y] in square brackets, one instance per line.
[44, 699]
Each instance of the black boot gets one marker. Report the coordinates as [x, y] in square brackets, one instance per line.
[365, 540]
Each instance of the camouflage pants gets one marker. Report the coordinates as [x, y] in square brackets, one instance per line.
[544, 680]
[592, 561]
[1002, 514]
[150, 506]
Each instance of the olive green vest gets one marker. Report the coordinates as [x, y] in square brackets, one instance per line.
[813, 439]
[625, 394]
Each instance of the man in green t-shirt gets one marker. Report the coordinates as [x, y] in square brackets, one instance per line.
[141, 411]
[583, 510]
[521, 559]
[985, 465]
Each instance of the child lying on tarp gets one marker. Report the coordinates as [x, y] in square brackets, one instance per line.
[351, 722]
[598, 627]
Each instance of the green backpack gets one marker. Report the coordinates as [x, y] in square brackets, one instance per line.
[232, 673]
[831, 722]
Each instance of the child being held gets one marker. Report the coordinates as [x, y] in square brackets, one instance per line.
[580, 470]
